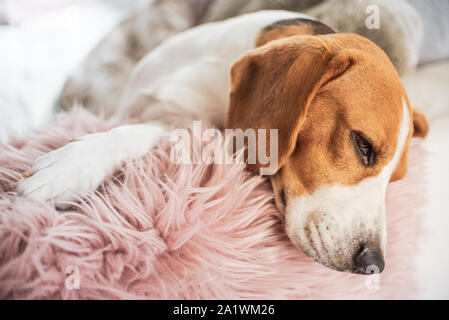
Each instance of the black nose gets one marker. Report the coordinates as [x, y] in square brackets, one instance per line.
[368, 261]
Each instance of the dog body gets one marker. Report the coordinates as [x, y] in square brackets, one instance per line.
[342, 114]
[169, 86]
[98, 83]
[100, 80]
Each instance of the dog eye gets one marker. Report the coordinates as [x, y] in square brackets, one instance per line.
[364, 146]
[364, 149]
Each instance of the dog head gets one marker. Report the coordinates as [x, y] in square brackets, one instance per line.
[344, 127]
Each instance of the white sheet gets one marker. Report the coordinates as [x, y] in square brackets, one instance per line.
[428, 90]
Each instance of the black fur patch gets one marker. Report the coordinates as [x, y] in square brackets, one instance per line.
[316, 26]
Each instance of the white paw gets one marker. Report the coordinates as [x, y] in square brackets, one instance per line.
[81, 166]
[68, 172]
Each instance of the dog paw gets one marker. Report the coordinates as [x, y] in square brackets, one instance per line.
[66, 173]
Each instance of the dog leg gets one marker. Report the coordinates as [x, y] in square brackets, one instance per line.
[82, 165]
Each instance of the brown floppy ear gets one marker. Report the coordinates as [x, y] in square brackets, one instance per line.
[420, 124]
[273, 86]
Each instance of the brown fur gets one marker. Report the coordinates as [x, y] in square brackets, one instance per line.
[420, 124]
[316, 89]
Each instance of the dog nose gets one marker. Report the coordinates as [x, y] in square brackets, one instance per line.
[368, 261]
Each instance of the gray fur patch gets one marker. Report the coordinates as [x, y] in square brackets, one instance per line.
[317, 26]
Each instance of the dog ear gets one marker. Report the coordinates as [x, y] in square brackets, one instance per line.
[273, 86]
[420, 124]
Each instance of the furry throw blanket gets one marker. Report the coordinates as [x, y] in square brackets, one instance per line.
[157, 230]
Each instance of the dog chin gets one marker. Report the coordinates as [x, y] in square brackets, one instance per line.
[313, 239]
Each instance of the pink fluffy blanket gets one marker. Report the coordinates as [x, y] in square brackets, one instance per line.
[157, 230]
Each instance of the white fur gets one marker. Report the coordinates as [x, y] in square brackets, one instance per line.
[399, 35]
[81, 165]
[190, 72]
[336, 220]
[187, 76]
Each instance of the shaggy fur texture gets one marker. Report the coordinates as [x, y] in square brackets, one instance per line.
[160, 230]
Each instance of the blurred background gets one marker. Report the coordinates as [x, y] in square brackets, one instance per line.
[42, 42]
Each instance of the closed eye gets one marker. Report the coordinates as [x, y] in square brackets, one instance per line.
[364, 149]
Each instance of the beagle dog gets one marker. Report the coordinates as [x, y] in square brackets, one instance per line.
[343, 117]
